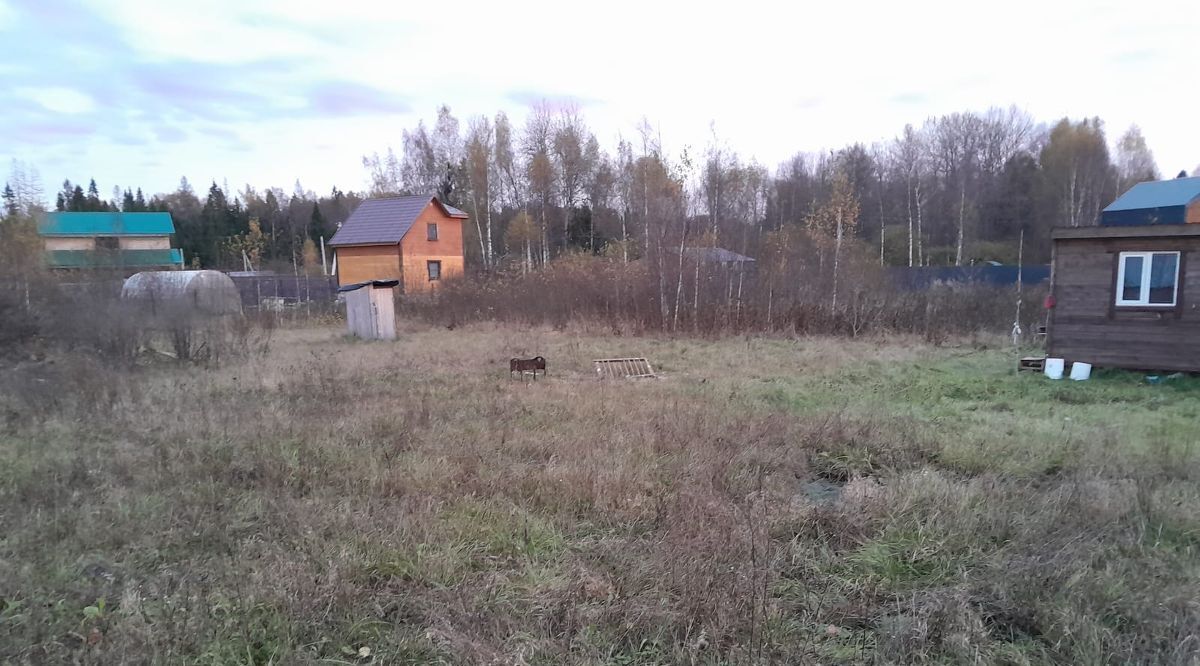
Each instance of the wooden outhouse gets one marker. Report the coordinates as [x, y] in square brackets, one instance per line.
[370, 309]
[1126, 293]
[416, 240]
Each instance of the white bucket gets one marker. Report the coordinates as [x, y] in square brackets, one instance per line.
[1054, 368]
[1081, 371]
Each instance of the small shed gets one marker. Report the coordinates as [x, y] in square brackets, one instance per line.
[370, 309]
[1126, 293]
[209, 292]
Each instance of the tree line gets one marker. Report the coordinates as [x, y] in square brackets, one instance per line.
[957, 189]
[954, 190]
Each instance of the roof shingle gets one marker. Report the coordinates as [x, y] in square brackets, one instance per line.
[385, 221]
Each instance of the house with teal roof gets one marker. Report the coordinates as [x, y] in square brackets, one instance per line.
[133, 241]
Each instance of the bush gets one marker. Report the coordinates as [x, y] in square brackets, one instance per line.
[716, 300]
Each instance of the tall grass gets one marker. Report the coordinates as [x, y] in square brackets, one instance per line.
[340, 501]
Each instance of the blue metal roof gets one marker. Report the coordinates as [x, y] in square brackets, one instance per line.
[106, 224]
[1158, 194]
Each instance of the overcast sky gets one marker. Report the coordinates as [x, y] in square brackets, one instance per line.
[141, 92]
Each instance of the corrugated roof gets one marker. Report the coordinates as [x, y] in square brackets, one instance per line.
[385, 221]
[1158, 194]
[106, 224]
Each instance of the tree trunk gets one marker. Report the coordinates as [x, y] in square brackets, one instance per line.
[920, 234]
[962, 209]
[908, 205]
[837, 253]
[483, 255]
[679, 280]
[489, 260]
[624, 236]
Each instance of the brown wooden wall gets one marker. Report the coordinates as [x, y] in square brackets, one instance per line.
[368, 262]
[1193, 213]
[416, 249]
[1085, 325]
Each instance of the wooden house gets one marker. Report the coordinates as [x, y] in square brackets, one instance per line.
[122, 241]
[417, 240]
[1126, 293]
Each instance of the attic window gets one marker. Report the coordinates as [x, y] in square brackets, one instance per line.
[431, 231]
[108, 243]
[1147, 279]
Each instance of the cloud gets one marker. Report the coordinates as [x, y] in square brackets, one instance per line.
[345, 98]
[58, 99]
[909, 98]
[8, 15]
[532, 98]
[170, 134]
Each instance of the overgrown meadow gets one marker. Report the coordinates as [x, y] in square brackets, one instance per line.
[767, 500]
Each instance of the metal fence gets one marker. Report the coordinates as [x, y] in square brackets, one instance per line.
[996, 276]
[283, 290]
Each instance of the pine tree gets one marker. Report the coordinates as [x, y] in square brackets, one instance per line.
[127, 203]
[316, 226]
[93, 198]
[78, 201]
[139, 201]
[10, 201]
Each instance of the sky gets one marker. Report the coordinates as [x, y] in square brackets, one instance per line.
[141, 92]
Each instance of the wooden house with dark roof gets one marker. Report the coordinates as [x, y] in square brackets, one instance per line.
[1126, 293]
[417, 240]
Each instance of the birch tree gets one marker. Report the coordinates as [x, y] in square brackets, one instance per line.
[480, 164]
[837, 218]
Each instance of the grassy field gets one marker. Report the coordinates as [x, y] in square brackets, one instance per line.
[765, 501]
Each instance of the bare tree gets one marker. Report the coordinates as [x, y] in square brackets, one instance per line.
[1133, 160]
[572, 163]
[837, 217]
[479, 176]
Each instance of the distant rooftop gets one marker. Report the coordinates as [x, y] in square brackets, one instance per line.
[106, 224]
[717, 255]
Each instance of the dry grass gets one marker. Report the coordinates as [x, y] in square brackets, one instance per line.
[768, 501]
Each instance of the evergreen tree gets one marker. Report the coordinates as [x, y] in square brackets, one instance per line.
[316, 228]
[139, 201]
[10, 201]
[127, 203]
[93, 198]
[78, 202]
[63, 201]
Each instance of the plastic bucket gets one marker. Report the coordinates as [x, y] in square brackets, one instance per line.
[1081, 371]
[1054, 368]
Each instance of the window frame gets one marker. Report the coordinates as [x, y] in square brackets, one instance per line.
[1143, 300]
[429, 264]
[431, 231]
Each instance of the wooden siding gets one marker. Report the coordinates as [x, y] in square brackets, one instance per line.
[416, 249]
[368, 262]
[1086, 324]
[1193, 213]
[145, 243]
[75, 243]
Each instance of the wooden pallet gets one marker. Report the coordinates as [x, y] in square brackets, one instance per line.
[623, 368]
[1032, 364]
